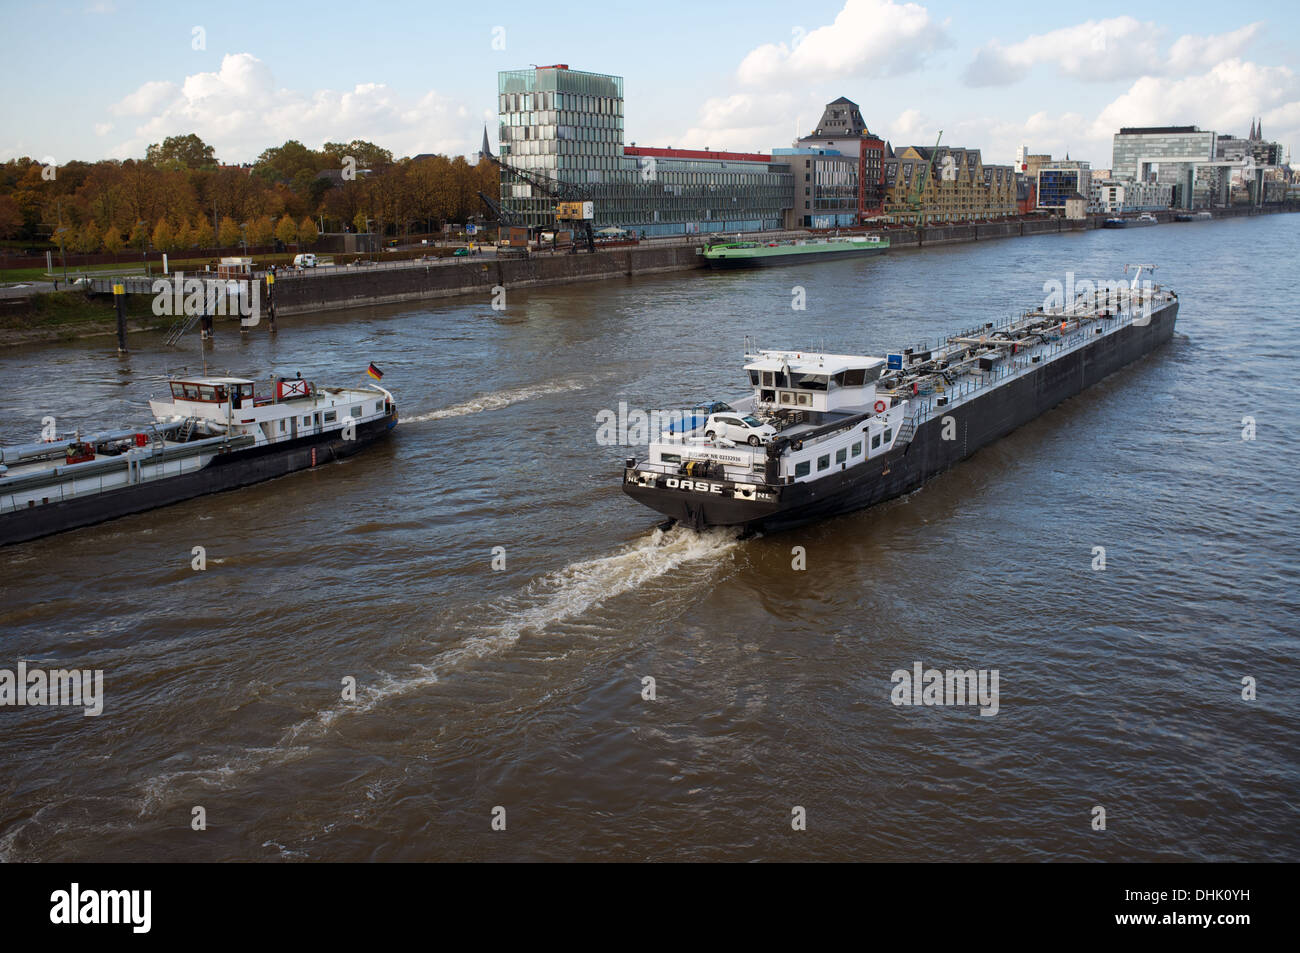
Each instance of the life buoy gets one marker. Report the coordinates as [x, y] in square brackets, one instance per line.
[880, 406]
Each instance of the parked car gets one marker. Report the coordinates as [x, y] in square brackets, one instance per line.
[739, 429]
[307, 260]
[460, 253]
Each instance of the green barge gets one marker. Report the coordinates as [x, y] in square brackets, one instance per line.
[764, 254]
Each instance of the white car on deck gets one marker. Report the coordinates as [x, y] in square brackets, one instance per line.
[739, 428]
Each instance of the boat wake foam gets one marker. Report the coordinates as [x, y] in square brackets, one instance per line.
[552, 599]
[497, 400]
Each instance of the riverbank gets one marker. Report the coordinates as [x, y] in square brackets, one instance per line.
[69, 315]
[338, 290]
[58, 316]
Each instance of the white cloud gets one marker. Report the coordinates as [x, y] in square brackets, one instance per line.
[239, 111]
[147, 99]
[1223, 100]
[741, 122]
[103, 128]
[1104, 50]
[867, 38]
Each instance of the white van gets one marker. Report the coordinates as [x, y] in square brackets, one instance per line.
[304, 261]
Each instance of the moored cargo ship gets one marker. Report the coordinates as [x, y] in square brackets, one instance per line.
[825, 434]
[798, 251]
[208, 434]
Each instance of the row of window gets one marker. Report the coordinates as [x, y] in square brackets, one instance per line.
[556, 100]
[841, 455]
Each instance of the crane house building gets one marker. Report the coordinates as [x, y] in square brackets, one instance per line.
[563, 130]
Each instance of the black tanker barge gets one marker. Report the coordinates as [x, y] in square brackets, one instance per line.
[212, 434]
[824, 434]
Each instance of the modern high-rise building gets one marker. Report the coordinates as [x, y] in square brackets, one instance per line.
[1170, 155]
[564, 127]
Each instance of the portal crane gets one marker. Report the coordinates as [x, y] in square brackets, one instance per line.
[553, 188]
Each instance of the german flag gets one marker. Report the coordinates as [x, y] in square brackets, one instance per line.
[375, 372]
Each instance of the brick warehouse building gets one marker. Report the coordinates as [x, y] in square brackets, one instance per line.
[843, 130]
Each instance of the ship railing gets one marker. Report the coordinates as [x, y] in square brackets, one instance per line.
[73, 486]
[975, 382]
[733, 474]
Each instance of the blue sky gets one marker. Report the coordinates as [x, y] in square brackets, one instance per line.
[111, 76]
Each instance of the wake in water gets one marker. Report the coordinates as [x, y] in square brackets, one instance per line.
[497, 400]
[554, 598]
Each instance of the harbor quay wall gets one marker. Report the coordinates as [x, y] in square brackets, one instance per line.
[350, 288]
[476, 275]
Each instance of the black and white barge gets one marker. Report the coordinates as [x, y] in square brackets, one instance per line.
[208, 434]
[834, 433]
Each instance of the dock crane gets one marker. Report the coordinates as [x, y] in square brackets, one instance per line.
[565, 193]
[918, 181]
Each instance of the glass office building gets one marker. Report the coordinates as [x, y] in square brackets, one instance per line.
[1166, 154]
[566, 126]
[1057, 181]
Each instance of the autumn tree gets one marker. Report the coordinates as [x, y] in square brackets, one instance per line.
[112, 240]
[307, 232]
[229, 234]
[139, 236]
[88, 238]
[181, 152]
[261, 231]
[286, 230]
[184, 237]
[367, 155]
[164, 239]
[201, 233]
[11, 219]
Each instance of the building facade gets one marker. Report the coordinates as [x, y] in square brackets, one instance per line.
[1057, 181]
[1111, 196]
[843, 130]
[927, 185]
[825, 187]
[1170, 155]
[564, 128]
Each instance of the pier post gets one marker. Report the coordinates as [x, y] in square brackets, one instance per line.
[270, 299]
[119, 303]
[205, 320]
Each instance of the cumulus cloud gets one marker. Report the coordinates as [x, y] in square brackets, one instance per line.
[742, 122]
[1223, 99]
[867, 38]
[239, 110]
[1103, 50]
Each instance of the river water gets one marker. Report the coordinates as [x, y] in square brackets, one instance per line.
[522, 688]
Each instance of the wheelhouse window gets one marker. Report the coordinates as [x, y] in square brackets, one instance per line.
[824, 462]
[331, 416]
[889, 435]
[803, 469]
[857, 449]
[355, 411]
[841, 455]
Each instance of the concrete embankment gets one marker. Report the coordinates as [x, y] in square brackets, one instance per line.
[357, 287]
[354, 287]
